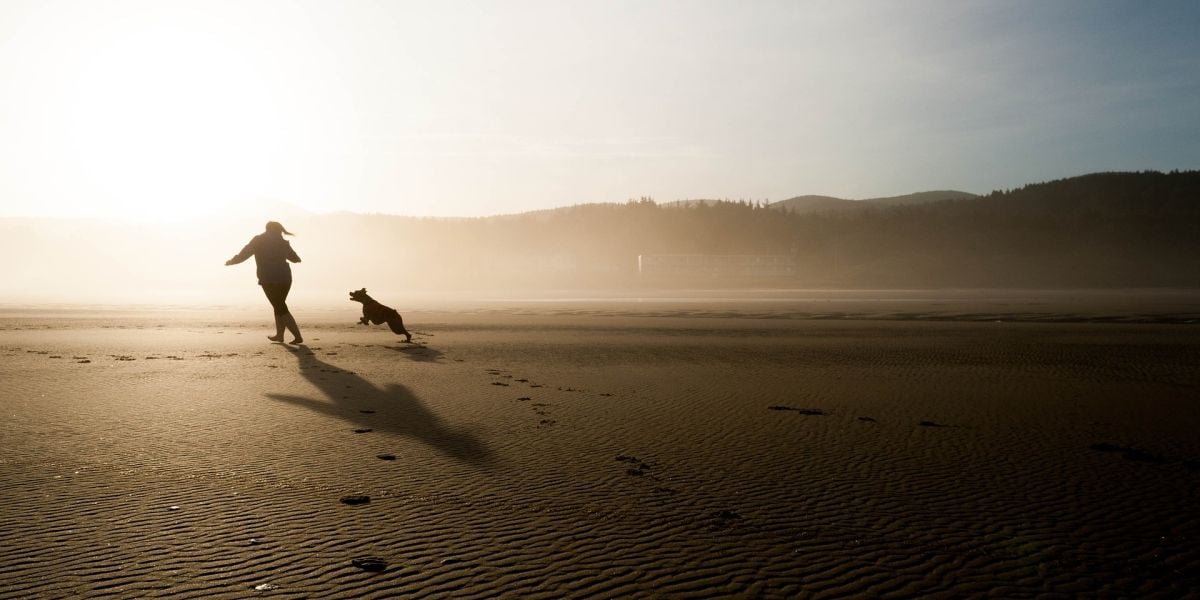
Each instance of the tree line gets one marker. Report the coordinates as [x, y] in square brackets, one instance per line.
[1099, 230]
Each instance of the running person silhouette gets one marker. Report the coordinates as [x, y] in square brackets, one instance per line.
[271, 255]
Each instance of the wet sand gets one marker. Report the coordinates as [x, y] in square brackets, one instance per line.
[603, 450]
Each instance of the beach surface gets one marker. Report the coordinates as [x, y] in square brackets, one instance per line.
[669, 447]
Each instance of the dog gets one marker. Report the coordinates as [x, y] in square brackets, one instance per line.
[374, 312]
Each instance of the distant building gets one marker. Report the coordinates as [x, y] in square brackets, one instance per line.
[716, 265]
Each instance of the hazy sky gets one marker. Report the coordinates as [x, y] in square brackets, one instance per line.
[167, 109]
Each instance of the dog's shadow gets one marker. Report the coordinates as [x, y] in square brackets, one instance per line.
[393, 409]
[419, 352]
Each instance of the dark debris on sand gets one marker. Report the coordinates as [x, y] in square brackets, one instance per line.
[803, 411]
[370, 563]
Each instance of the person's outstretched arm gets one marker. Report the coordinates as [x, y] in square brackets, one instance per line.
[246, 252]
[292, 256]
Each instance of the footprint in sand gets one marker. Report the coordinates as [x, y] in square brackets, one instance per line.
[363, 430]
[355, 500]
[386, 456]
[1133, 454]
[931, 424]
[639, 466]
[723, 519]
[866, 419]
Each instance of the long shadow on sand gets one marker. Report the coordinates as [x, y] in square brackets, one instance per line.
[419, 353]
[393, 409]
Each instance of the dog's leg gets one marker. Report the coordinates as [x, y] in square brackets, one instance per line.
[396, 324]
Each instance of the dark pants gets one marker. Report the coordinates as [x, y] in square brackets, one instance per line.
[277, 294]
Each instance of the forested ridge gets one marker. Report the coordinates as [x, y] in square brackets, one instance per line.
[1099, 230]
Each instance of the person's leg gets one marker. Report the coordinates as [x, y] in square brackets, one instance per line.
[278, 337]
[277, 295]
[288, 320]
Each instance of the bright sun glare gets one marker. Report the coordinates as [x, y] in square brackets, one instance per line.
[169, 124]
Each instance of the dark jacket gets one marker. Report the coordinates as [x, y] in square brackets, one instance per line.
[271, 255]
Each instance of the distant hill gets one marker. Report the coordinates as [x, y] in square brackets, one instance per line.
[810, 204]
[813, 204]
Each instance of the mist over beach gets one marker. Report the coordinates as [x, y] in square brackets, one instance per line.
[599, 300]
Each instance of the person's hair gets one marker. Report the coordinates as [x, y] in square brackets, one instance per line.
[276, 226]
